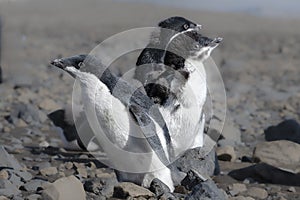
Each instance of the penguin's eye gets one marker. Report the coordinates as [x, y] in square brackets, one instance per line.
[196, 46]
[186, 26]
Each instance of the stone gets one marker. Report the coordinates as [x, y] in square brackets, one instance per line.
[168, 196]
[4, 174]
[291, 189]
[102, 187]
[230, 131]
[192, 179]
[286, 130]
[237, 188]
[69, 165]
[264, 173]
[202, 160]
[42, 165]
[3, 198]
[241, 198]
[8, 189]
[280, 154]
[44, 144]
[48, 171]
[15, 180]
[34, 197]
[127, 189]
[64, 188]
[158, 187]
[82, 172]
[24, 175]
[226, 153]
[28, 113]
[256, 193]
[33, 185]
[205, 191]
[49, 104]
[104, 182]
[180, 189]
[8, 160]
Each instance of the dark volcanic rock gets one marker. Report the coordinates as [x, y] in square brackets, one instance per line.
[286, 130]
[206, 191]
[206, 165]
[170, 196]
[264, 173]
[103, 187]
[158, 187]
[191, 180]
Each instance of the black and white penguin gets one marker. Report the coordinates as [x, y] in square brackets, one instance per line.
[129, 122]
[180, 88]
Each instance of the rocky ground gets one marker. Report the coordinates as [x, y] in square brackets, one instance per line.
[259, 62]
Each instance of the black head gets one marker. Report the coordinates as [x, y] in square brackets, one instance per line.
[178, 24]
[74, 61]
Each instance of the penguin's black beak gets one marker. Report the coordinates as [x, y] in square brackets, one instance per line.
[215, 42]
[74, 61]
[218, 40]
[58, 63]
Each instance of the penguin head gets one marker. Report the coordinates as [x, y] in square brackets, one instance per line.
[178, 24]
[190, 45]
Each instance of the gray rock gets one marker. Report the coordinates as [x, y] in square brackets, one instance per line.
[169, 196]
[291, 189]
[230, 131]
[49, 104]
[34, 197]
[4, 174]
[158, 187]
[3, 198]
[18, 197]
[191, 180]
[103, 186]
[8, 189]
[8, 160]
[241, 198]
[281, 154]
[226, 153]
[199, 160]
[127, 189]
[206, 191]
[256, 193]
[42, 165]
[237, 188]
[82, 172]
[48, 171]
[15, 180]
[64, 188]
[33, 185]
[28, 113]
[24, 175]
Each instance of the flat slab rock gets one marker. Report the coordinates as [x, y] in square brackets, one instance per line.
[127, 189]
[8, 160]
[281, 154]
[64, 188]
